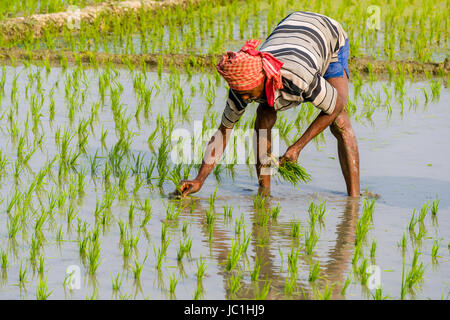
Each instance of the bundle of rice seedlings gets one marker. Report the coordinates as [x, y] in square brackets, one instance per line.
[291, 172]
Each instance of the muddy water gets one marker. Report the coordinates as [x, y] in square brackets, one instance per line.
[403, 159]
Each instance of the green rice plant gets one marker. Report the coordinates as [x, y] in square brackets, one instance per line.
[434, 250]
[137, 270]
[41, 266]
[290, 284]
[314, 272]
[234, 283]
[378, 295]
[173, 283]
[415, 274]
[4, 259]
[423, 212]
[275, 211]
[239, 224]
[93, 255]
[311, 239]
[42, 292]
[227, 210]
[262, 295]
[346, 284]
[161, 254]
[13, 225]
[210, 216]
[116, 283]
[295, 229]
[173, 212]
[435, 206]
[293, 260]
[254, 274]
[326, 294]
[233, 256]
[184, 227]
[22, 275]
[412, 222]
[201, 269]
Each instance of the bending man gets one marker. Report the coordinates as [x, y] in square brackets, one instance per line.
[305, 59]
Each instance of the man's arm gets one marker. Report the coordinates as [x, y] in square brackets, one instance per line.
[319, 124]
[214, 150]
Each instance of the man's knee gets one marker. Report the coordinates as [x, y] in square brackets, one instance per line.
[341, 125]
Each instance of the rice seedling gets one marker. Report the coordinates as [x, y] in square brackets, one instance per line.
[415, 274]
[373, 249]
[262, 294]
[42, 292]
[314, 272]
[227, 210]
[201, 269]
[22, 275]
[293, 260]
[234, 283]
[290, 285]
[4, 259]
[137, 270]
[239, 224]
[116, 282]
[161, 254]
[311, 239]
[93, 255]
[435, 207]
[435, 250]
[295, 229]
[275, 212]
[346, 284]
[233, 256]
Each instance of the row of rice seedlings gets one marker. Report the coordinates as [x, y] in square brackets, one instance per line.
[238, 20]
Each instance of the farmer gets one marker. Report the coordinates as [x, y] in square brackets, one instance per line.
[305, 59]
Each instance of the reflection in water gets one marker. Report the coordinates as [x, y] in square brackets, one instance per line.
[264, 247]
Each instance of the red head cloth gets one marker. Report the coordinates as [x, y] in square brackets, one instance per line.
[247, 69]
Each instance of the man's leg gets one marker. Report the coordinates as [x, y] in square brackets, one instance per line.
[266, 117]
[347, 145]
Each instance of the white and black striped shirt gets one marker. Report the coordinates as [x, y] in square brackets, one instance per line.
[306, 43]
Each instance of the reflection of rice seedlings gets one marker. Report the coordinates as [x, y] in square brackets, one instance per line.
[373, 249]
[378, 295]
[41, 266]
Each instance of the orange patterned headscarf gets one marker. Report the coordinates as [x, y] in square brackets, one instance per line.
[247, 69]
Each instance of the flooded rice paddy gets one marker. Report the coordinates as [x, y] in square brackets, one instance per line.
[85, 179]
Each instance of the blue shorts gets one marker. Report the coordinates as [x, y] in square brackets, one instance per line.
[336, 69]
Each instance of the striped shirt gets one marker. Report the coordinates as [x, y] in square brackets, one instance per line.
[306, 43]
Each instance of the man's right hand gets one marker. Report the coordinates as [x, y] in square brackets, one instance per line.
[190, 186]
